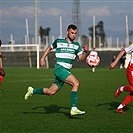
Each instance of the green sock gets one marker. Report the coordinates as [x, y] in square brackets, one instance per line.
[74, 97]
[38, 91]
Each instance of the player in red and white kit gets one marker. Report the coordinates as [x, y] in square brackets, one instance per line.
[129, 74]
[2, 72]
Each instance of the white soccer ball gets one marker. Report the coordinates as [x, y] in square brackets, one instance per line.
[93, 60]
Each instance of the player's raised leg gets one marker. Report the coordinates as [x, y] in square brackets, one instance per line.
[41, 91]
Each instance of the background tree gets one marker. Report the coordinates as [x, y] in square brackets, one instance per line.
[99, 34]
[84, 40]
[44, 32]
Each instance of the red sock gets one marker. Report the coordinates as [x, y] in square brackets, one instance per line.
[127, 99]
[128, 88]
[1, 78]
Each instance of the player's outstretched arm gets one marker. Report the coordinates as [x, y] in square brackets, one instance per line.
[46, 52]
[112, 65]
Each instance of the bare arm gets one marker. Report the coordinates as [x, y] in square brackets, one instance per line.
[112, 65]
[46, 52]
[82, 56]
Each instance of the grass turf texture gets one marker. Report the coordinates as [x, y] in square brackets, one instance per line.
[44, 114]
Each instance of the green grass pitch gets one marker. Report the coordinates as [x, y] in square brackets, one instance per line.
[44, 114]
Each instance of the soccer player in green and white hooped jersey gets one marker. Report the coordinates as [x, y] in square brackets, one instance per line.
[66, 52]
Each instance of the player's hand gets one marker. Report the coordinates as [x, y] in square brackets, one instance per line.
[112, 65]
[42, 63]
[86, 48]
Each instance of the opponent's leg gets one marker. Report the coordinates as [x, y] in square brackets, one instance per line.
[127, 88]
[2, 75]
[125, 102]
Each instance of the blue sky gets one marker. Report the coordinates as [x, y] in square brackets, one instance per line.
[14, 12]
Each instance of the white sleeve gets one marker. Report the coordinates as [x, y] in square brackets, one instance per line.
[129, 49]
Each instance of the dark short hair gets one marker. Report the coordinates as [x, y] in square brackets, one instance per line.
[72, 26]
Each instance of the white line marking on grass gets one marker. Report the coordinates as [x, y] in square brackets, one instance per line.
[13, 81]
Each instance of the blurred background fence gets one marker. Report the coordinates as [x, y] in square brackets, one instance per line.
[22, 55]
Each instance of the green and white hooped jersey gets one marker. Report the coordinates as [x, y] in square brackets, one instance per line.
[66, 52]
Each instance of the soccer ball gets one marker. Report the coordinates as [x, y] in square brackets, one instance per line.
[93, 60]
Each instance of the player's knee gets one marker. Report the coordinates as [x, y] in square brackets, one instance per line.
[50, 93]
[77, 84]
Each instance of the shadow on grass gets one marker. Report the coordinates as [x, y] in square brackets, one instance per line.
[53, 109]
[112, 105]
